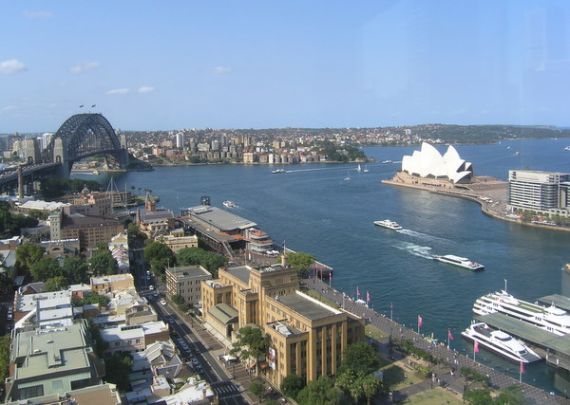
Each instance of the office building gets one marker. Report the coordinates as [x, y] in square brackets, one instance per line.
[180, 140]
[185, 281]
[308, 337]
[51, 362]
[544, 192]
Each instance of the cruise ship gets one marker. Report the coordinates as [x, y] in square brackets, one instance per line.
[386, 223]
[460, 262]
[500, 342]
[551, 319]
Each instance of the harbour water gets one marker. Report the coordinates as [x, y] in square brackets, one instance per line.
[328, 210]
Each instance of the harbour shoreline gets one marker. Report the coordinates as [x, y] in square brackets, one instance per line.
[486, 207]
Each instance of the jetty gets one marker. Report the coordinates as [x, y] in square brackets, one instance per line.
[450, 357]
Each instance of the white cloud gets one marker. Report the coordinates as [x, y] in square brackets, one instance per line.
[83, 67]
[38, 14]
[222, 70]
[8, 108]
[10, 66]
[123, 90]
[145, 89]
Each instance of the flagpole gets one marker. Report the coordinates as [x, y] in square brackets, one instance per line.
[474, 352]
[448, 340]
[391, 310]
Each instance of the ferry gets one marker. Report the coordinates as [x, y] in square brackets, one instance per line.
[460, 262]
[567, 148]
[386, 223]
[551, 319]
[229, 204]
[500, 342]
[279, 171]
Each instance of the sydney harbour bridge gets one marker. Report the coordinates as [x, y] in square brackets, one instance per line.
[80, 136]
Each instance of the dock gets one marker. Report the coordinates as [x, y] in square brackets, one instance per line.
[555, 349]
[559, 301]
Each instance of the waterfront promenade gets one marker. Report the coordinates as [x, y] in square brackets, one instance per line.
[447, 356]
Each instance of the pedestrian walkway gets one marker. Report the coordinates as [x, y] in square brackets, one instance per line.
[450, 357]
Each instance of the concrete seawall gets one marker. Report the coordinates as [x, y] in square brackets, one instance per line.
[485, 206]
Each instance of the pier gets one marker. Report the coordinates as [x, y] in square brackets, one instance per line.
[443, 354]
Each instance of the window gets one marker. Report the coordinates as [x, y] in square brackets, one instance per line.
[31, 392]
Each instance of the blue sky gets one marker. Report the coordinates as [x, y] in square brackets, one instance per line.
[259, 64]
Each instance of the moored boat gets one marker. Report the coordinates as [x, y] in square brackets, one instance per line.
[229, 204]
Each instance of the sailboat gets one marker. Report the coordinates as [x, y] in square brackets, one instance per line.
[347, 178]
[365, 170]
[359, 169]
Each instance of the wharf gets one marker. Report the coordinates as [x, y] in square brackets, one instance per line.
[449, 357]
[559, 301]
[556, 349]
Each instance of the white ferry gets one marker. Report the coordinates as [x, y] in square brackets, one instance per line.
[460, 262]
[551, 319]
[500, 342]
[229, 204]
[386, 223]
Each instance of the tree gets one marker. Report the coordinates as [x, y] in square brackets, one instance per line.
[251, 343]
[371, 385]
[55, 284]
[350, 382]
[102, 262]
[4, 356]
[134, 233]
[481, 396]
[360, 358]
[256, 388]
[11, 224]
[320, 392]
[292, 385]
[75, 270]
[118, 368]
[45, 268]
[26, 255]
[510, 396]
[158, 256]
[301, 262]
[196, 256]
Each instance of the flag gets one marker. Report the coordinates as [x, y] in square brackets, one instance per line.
[420, 321]
[476, 347]
[521, 368]
[357, 292]
[367, 296]
[449, 334]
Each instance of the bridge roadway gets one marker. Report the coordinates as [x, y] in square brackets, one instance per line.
[450, 357]
[12, 175]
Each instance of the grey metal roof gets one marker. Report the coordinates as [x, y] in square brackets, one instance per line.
[241, 272]
[224, 313]
[306, 307]
[189, 271]
[221, 219]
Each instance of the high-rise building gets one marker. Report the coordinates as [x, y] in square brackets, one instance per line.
[539, 191]
[180, 140]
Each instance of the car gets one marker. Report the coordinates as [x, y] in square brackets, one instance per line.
[163, 302]
[9, 316]
[151, 287]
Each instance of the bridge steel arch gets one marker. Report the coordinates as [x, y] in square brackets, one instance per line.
[84, 135]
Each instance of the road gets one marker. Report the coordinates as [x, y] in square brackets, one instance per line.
[229, 392]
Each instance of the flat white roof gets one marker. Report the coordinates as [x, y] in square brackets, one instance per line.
[43, 205]
[26, 303]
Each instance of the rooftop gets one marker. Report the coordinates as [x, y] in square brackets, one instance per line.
[43, 205]
[113, 278]
[81, 221]
[224, 313]
[559, 301]
[188, 271]
[283, 328]
[307, 306]
[241, 272]
[44, 353]
[221, 219]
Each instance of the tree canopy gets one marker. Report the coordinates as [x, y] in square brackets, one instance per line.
[292, 385]
[251, 343]
[45, 268]
[301, 262]
[55, 187]
[102, 262]
[26, 255]
[75, 270]
[11, 224]
[195, 256]
[360, 358]
[158, 256]
[320, 392]
[56, 283]
[118, 368]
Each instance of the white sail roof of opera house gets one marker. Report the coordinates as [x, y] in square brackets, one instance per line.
[428, 162]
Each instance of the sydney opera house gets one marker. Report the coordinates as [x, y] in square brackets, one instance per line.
[429, 163]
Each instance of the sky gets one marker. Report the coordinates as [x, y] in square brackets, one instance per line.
[150, 65]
